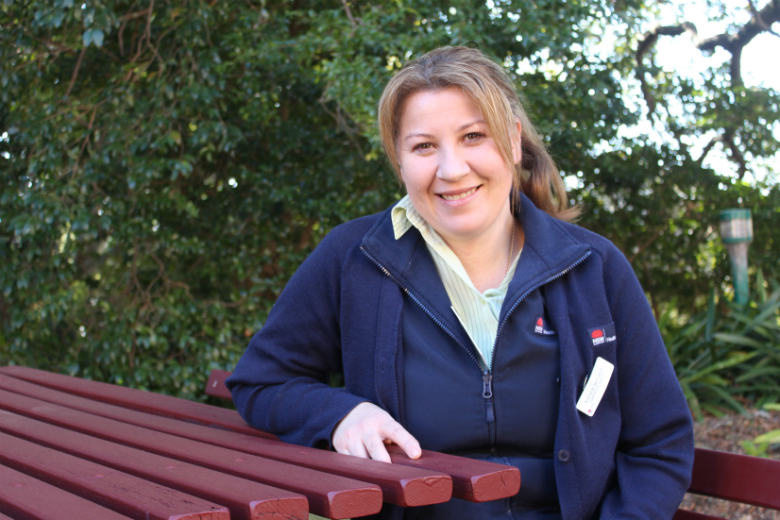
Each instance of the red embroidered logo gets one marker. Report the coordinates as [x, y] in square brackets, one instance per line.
[604, 334]
[541, 328]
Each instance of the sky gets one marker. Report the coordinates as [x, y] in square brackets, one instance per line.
[760, 58]
[760, 67]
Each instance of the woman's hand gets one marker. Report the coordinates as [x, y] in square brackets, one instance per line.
[365, 430]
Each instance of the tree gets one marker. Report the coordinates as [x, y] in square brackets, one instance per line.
[659, 201]
[166, 166]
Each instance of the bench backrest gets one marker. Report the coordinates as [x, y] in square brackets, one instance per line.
[739, 478]
[216, 385]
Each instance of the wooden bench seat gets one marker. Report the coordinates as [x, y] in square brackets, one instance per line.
[728, 476]
[30, 498]
[163, 439]
[402, 485]
[126, 494]
[246, 500]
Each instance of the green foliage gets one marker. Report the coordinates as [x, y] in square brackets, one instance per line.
[165, 166]
[729, 353]
[759, 446]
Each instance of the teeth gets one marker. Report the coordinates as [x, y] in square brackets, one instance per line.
[459, 195]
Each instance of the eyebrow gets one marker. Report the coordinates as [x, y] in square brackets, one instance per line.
[459, 129]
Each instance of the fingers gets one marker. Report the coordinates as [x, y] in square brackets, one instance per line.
[366, 429]
[398, 435]
[376, 448]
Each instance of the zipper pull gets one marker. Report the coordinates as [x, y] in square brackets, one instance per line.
[487, 384]
[487, 393]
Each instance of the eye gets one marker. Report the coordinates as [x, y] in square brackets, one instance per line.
[473, 136]
[421, 146]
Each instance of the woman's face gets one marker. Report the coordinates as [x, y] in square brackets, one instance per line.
[452, 168]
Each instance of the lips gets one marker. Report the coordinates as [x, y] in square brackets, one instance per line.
[460, 195]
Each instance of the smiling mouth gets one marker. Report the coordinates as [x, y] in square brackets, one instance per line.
[459, 196]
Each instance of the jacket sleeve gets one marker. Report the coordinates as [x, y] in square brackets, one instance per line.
[655, 449]
[279, 384]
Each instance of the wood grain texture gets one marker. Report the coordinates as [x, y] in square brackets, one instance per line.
[328, 495]
[401, 485]
[27, 498]
[216, 384]
[750, 480]
[157, 404]
[123, 493]
[246, 500]
[472, 480]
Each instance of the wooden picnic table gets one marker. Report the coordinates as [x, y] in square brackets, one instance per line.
[77, 449]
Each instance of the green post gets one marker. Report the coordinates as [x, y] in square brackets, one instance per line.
[736, 231]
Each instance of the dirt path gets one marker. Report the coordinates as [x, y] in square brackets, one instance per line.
[726, 434]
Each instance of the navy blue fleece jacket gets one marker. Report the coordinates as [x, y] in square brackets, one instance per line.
[342, 311]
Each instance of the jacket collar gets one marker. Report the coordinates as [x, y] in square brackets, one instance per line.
[549, 252]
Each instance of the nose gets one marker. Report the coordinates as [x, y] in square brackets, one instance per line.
[452, 164]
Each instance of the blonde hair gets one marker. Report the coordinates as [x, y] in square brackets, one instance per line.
[494, 94]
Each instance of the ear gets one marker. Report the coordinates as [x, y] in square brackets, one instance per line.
[517, 144]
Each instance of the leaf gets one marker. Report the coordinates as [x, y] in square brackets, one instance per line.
[772, 437]
[737, 339]
[710, 316]
[97, 37]
[730, 362]
[93, 36]
[758, 372]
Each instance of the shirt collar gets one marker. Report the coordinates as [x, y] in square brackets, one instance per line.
[405, 216]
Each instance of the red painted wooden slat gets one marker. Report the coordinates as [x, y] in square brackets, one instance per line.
[751, 480]
[476, 481]
[157, 404]
[473, 480]
[113, 489]
[28, 498]
[402, 485]
[246, 500]
[684, 514]
[216, 385]
[329, 495]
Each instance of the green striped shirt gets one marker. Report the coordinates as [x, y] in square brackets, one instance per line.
[477, 312]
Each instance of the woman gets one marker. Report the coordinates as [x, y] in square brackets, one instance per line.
[467, 318]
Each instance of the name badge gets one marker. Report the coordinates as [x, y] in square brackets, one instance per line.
[596, 386]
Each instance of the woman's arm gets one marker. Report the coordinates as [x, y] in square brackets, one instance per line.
[654, 456]
[280, 383]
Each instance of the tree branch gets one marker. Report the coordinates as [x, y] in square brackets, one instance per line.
[736, 153]
[647, 243]
[76, 71]
[646, 42]
[349, 13]
[761, 21]
[715, 140]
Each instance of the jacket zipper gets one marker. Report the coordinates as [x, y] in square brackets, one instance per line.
[418, 302]
[501, 327]
[487, 374]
